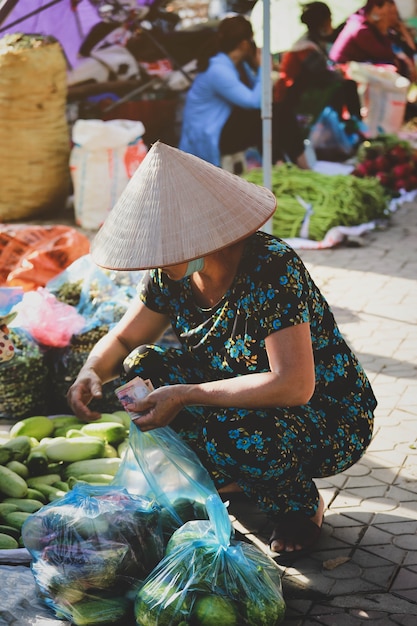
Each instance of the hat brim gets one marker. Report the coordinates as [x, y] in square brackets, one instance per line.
[176, 208]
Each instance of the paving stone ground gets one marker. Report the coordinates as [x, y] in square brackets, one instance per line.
[364, 567]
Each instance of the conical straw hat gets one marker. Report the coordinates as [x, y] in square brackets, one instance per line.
[175, 208]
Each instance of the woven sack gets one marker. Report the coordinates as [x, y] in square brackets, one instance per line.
[34, 134]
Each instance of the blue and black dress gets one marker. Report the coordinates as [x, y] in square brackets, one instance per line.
[273, 454]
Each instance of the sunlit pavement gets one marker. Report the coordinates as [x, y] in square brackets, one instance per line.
[364, 567]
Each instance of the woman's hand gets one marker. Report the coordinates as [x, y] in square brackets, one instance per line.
[86, 387]
[159, 408]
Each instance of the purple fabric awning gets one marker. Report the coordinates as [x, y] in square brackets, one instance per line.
[68, 25]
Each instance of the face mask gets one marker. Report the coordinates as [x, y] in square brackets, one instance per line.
[196, 265]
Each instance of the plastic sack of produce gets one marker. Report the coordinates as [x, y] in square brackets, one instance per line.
[207, 578]
[160, 465]
[101, 297]
[329, 139]
[104, 157]
[383, 93]
[50, 322]
[24, 379]
[89, 550]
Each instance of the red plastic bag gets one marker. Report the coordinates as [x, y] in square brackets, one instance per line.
[31, 255]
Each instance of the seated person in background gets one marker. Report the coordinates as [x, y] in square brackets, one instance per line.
[306, 78]
[403, 43]
[222, 108]
[365, 37]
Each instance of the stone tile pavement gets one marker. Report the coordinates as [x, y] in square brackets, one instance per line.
[364, 568]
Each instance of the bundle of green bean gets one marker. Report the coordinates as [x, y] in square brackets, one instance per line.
[335, 200]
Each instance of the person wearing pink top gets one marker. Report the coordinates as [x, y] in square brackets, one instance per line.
[365, 37]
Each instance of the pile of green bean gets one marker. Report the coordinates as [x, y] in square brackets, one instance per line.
[335, 200]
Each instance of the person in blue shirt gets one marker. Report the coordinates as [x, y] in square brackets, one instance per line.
[222, 108]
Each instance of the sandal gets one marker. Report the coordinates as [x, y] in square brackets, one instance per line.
[296, 528]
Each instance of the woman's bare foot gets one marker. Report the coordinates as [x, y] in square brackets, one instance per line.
[290, 535]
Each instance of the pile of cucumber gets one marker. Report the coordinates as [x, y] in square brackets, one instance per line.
[42, 458]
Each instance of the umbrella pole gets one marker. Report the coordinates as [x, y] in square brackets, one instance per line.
[266, 111]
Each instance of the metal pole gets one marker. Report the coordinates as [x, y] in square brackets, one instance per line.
[266, 111]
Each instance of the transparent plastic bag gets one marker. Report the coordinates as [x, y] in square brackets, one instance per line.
[101, 296]
[160, 465]
[329, 137]
[208, 578]
[50, 322]
[93, 544]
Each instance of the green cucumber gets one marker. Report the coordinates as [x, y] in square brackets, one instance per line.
[19, 467]
[37, 426]
[92, 466]
[7, 542]
[37, 461]
[50, 492]
[19, 447]
[35, 494]
[43, 479]
[9, 530]
[111, 432]
[16, 519]
[6, 508]
[11, 484]
[25, 504]
[76, 449]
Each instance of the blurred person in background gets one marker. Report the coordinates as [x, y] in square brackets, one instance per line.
[403, 43]
[222, 109]
[366, 36]
[307, 81]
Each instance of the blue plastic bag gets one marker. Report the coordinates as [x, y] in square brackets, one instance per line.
[207, 577]
[329, 137]
[160, 465]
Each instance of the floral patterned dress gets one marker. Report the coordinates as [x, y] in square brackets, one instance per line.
[273, 454]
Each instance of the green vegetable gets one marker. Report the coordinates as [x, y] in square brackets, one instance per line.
[19, 447]
[112, 432]
[19, 467]
[6, 508]
[43, 479]
[16, 519]
[213, 610]
[334, 200]
[76, 449]
[92, 466]
[92, 611]
[37, 426]
[157, 604]
[25, 504]
[35, 494]
[37, 461]
[9, 530]
[262, 613]
[7, 542]
[11, 484]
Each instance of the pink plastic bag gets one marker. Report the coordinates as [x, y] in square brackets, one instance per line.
[49, 321]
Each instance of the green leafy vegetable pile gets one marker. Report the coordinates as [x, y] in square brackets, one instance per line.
[324, 200]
